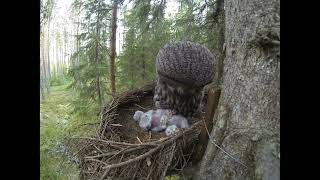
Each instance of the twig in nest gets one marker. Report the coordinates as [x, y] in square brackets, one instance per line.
[95, 170]
[109, 142]
[223, 149]
[116, 125]
[96, 160]
[104, 174]
[121, 158]
[115, 153]
[109, 159]
[134, 159]
[141, 107]
[109, 167]
[139, 140]
[150, 172]
[134, 175]
[97, 148]
[78, 152]
[170, 159]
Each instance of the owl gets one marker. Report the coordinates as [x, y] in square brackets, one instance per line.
[183, 69]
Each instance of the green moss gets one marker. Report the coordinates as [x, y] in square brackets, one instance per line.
[173, 177]
[58, 122]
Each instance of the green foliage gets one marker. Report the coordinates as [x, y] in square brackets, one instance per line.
[76, 99]
[173, 177]
[91, 75]
[57, 80]
[149, 30]
[46, 9]
[60, 79]
[56, 114]
[58, 122]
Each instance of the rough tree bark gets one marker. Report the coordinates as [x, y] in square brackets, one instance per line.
[113, 47]
[219, 16]
[247, 121]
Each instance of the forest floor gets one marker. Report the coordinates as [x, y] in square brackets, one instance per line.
[56, 113]
[57, 122]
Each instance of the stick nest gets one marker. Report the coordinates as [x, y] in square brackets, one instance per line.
[122, 150]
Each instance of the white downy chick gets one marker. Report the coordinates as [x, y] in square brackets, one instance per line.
[145, 120]
[179, 121]
[160, 119]
[154, 120]
[137, 115]
[159, 123]
[171, 130]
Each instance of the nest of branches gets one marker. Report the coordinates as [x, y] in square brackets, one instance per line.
[122, 150]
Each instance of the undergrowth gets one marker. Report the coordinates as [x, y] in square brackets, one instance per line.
[58, 122]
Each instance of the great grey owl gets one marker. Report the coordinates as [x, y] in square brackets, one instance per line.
[183, 69]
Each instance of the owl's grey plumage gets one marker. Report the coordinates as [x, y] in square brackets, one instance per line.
[183, 69]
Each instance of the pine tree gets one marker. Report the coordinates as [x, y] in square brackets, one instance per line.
[91, 70]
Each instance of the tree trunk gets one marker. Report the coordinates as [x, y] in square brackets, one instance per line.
[98, 63]
[48, 76]
[43, 66]
[113, 47]
[41, 82]
[247, 121]
[76, 61]
[143, 63]
[65, 61]
[77, 64]
[61, 58]
[221, 39]
[57, 57]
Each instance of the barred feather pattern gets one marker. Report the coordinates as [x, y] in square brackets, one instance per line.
[179, 99]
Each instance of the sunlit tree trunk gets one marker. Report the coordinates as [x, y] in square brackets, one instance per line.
[61, 58]
[43, 65]
[41, 69]
[113, 47]
[48, 76]
[57, 57]
[77, 62]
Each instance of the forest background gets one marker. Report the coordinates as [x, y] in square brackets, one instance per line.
[91, 50]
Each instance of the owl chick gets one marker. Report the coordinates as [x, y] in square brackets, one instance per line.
[179, 121]
[175, 123]
[154, 120]
[144, 119]
[171, 130]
